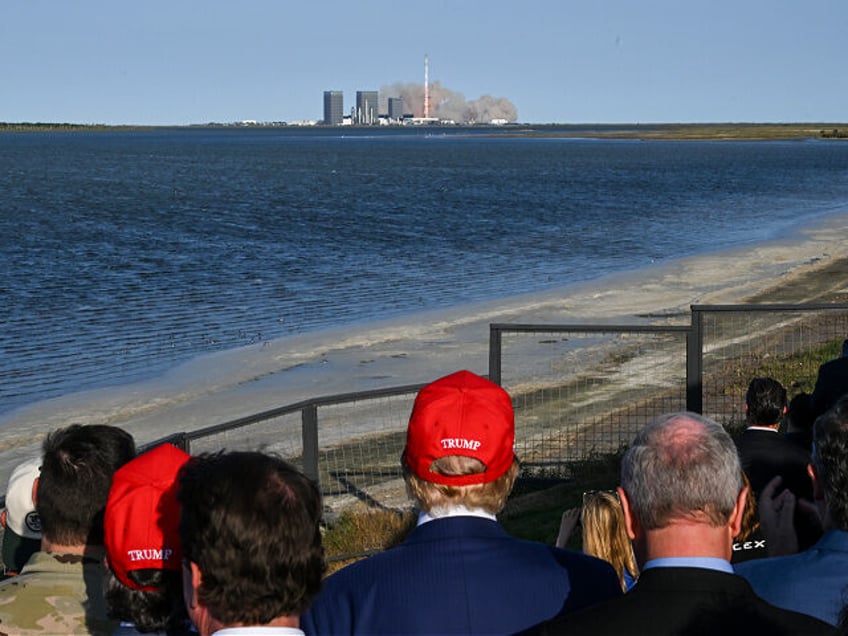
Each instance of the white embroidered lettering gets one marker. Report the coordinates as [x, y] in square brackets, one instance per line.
[150, 554]
[461, 443]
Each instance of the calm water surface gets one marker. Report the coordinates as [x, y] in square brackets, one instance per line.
[124, 253]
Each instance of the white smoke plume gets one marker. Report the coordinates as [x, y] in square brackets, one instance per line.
[449, 105]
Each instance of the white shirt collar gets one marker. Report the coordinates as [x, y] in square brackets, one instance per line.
[259, 631]
[454, 511]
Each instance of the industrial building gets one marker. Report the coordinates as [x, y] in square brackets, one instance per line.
[367, 108]
[395, 109]
[366, 111]
[333, 108]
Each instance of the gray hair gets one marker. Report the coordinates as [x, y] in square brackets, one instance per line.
[681, 466]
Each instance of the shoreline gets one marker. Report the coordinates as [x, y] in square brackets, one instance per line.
[660, 131]
[219, 387]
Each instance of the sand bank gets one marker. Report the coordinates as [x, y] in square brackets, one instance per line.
[219, 387]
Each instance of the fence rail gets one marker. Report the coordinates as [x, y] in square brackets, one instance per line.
[578, 390]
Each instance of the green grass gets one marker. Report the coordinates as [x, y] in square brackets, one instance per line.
[354, 534]
[796, 371]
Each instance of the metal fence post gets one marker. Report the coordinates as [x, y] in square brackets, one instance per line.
[695, 363]
[180, 440]
[495, 354]
[309, 419]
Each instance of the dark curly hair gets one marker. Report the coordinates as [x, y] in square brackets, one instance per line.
[160, 611]
[76, 473]
[766, 400]
[250, 522]
[830, 459]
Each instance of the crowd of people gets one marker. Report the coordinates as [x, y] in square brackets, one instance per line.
[704, 535]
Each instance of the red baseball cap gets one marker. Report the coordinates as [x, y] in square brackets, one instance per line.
[142, 515]
[461, 414]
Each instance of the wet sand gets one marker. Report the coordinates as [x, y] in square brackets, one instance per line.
[212, 389]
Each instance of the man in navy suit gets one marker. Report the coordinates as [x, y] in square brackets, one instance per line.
[831, 383]
[765, 453]
[814, 581]
[683, 499]
[458, 572]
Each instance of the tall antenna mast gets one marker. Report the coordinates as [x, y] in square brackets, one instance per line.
[426, 86]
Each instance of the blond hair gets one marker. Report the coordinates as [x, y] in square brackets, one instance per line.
[490, 496]
[604, 534]
[750, 518]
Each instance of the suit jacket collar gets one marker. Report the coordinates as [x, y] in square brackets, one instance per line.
[836, 540]
[456, 527]
[760, 434]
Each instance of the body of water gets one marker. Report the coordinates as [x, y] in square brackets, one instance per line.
[125, 253]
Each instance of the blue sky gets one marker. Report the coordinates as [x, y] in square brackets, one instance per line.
[565, 61]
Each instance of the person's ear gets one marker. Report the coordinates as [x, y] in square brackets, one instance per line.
[188, 591]
[818, 489]
[35, 489]
[3, 518]
[735, 521]
[192, 580]
[631, 523]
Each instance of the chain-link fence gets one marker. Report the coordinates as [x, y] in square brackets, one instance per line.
[581, 390]
[578, 391]
[741, 342]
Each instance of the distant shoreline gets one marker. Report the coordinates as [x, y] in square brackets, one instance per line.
[689, 131]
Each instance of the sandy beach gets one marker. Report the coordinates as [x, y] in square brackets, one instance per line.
[810, 266]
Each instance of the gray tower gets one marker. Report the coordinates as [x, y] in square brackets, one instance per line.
[333, 108]
[366, 107]
[396, 108]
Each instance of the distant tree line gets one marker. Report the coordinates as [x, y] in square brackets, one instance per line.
[39, 126]
[834, 134]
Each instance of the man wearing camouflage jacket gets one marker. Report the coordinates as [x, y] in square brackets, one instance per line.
[60, 589]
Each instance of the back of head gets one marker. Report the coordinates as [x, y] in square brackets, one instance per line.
[157, 611]
[459, 445]
[22, 526]
[250, 523]
[76, 473]
[682, 466]
[830, 460]
[801, 413]
[604, 532]
[766, 401]
[602, 520]
[142, 541]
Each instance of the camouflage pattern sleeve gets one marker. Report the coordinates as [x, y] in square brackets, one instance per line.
[56, 594]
